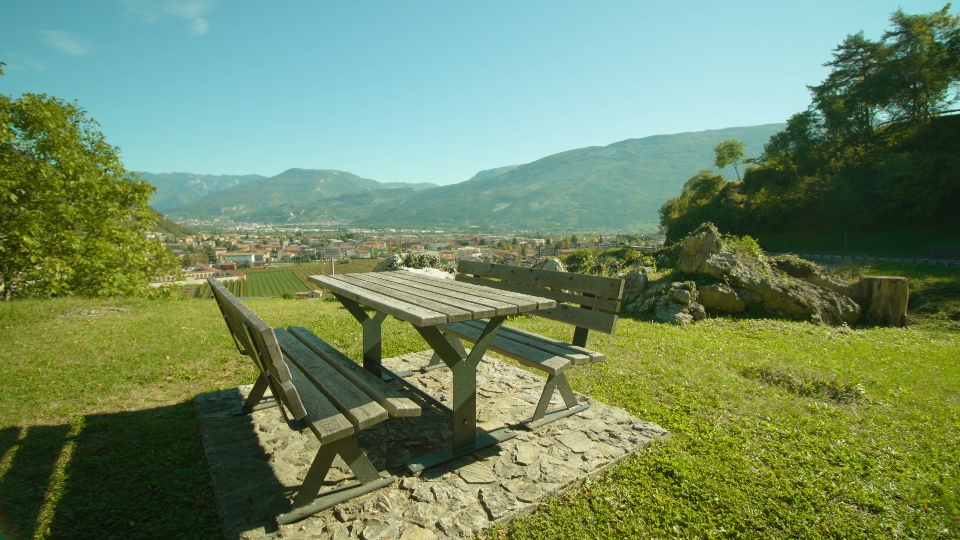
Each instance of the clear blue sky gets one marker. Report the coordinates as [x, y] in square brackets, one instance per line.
[417, 91]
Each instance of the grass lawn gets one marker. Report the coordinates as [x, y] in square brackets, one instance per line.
[779, 429]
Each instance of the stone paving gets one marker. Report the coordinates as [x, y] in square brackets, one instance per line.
[257, 463]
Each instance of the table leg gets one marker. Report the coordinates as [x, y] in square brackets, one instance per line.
[465, 436]
[372, 335]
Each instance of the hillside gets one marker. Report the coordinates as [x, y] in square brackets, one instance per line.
[279, 197]
[616, 186]
[497, 171]
[176, 189]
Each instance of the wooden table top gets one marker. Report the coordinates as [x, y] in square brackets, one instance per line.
[428, 301]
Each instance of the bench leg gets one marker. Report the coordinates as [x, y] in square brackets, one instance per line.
[255, 400]
[308, 503]
[572, 406]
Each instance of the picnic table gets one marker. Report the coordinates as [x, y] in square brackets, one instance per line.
[427, 302]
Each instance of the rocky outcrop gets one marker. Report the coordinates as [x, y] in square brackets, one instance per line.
[393, 262]
[634, 283]
[671, 302]
[413, 261]
[798, 299]
[550, 263]
[721, 297]
[786, 285]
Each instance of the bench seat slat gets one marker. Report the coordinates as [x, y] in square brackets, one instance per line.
[357, 406]
[388, 396]
[323, 418]
[559, 296]
[529, 356]
[577, 355]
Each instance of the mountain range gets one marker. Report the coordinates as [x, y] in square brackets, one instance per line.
[176, 189]
[621, 186]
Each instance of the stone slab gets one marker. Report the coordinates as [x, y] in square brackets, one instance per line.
[257, 463]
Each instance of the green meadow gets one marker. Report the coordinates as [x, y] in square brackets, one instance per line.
[779, 429]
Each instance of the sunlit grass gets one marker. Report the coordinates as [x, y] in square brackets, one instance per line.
[779, 429]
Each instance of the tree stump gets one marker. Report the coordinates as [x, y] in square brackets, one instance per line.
[889, 296]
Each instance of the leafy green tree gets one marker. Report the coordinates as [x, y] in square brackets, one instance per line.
[729, 153]
[72, 219]
[923, 64]
[853, 95]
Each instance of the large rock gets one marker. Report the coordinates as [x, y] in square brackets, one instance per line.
[799, 299]
[836, 285]
[550, 263]
[787, 284]
[634, 283]
[393, 262]
[701, 253]
[720, 297]
[670, 302]
[421, 263]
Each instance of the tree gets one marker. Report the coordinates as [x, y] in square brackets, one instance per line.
[853, 95]
[72, 219]
[729, 153]
[923, 65]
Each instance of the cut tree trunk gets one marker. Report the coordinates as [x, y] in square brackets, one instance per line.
[888, 297]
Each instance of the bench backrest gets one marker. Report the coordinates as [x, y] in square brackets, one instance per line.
[258, 341]
[588, 293]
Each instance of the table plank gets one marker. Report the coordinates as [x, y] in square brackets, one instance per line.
[404, 311]
[435, 290]
[453, 313]
[524, 302]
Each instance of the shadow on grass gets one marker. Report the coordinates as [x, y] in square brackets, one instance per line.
[138, 474]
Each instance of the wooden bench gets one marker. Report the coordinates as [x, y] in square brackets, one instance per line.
[318, 388]
[579, 298]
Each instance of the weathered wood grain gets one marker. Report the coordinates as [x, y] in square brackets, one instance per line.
[524, 302]
[323, 418]
[442, 292]
[559, 296]
[576, 355]
[258, 339]
[405, 311]
[596, 285]
[524, 354]
[387, 395]
[456, 310]
[357, 406]
[585, 318]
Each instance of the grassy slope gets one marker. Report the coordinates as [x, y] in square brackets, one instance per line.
[780, 429]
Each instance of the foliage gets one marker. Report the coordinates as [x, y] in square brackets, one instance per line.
[794, 266]
[425, 260]
[580, 261]
[729, 152]
[744, 247]
[72, 220]
[873, 152]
